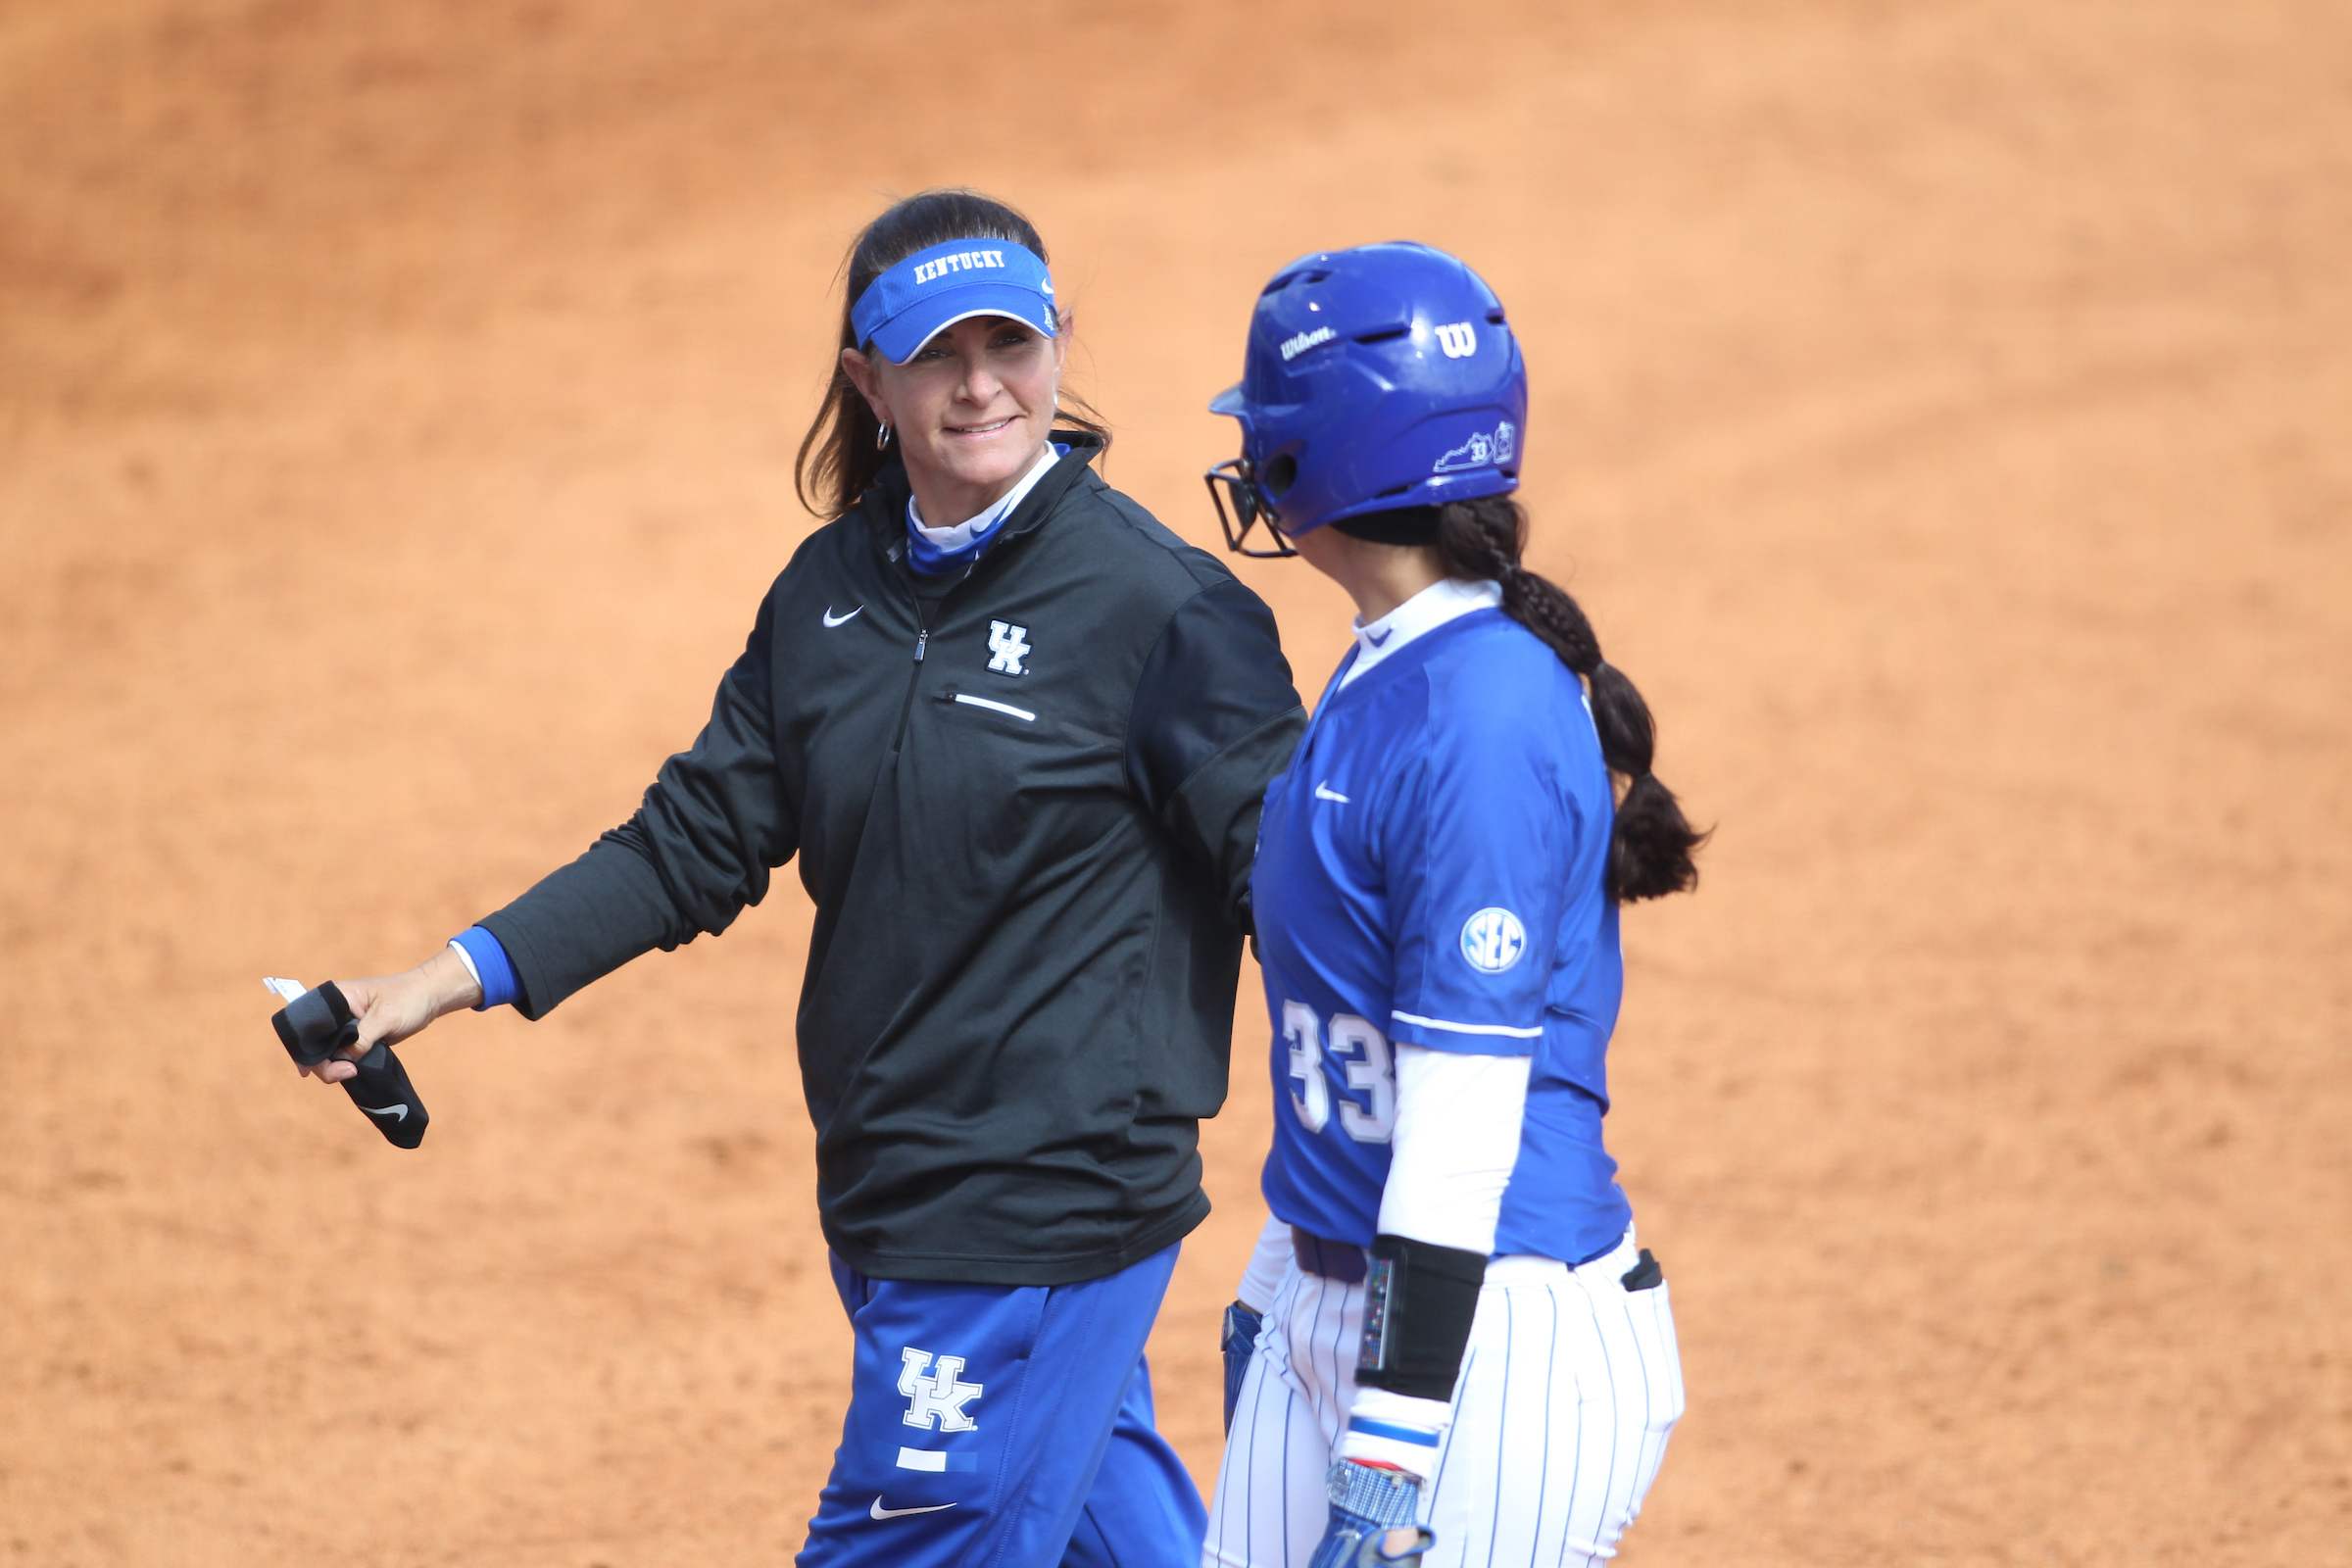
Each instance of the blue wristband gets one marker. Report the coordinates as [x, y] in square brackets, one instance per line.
[491, 964]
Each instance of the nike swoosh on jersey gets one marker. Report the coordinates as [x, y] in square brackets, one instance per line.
[1380, 641]
[396, 1113]
[1323, 791]
[832, 621]
[879, 1512]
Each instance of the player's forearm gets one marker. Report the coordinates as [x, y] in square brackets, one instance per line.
[1452, 1148]
[1456, 1141]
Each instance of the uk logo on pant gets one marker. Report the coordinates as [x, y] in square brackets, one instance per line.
[936, 1394]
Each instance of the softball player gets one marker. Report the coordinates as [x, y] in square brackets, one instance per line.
[1016, 734]
[1460, 1341]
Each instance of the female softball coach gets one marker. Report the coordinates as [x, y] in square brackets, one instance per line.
[1017, 734]
[1463, 1340]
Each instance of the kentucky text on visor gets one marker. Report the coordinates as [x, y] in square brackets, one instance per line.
[908, 306]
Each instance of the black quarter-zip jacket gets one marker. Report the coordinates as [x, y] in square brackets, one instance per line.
[1026, 812]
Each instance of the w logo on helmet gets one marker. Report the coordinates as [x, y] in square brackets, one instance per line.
[1460, 339]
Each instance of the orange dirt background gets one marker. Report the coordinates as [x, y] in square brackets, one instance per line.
[1943, 407]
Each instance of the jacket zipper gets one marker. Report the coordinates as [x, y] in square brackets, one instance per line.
[923, 638]
[914, 678]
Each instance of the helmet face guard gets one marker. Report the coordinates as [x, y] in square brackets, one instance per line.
[1232, 481]
[1378, 378]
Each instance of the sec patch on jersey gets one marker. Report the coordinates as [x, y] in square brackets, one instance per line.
[1492, 940]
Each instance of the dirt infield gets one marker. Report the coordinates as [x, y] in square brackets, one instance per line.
[1941, 406]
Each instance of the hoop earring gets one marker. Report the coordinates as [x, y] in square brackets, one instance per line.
[882, 439]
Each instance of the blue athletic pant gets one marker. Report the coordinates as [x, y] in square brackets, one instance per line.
[995, 1426]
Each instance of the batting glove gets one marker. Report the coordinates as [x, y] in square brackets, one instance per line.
[1372, 1524]
[1237, 1341]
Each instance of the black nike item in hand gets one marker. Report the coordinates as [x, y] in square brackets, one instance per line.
[318, 1023]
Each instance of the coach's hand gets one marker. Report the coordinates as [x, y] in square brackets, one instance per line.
[393, 1006]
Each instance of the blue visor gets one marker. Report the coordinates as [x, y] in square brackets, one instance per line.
[908, 306]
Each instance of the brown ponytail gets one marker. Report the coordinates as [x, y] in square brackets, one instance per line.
[840, 455]
[1650, 849]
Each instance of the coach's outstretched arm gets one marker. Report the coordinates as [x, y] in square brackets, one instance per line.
[712, 826]
[701, 847]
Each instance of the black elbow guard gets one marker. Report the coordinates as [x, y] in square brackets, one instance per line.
[1419, 1300]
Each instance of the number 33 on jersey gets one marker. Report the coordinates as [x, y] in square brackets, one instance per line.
[1362, 1056]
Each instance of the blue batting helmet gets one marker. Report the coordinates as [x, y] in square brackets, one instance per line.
[1376, 378]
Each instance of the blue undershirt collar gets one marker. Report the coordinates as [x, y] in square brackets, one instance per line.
[936, 550]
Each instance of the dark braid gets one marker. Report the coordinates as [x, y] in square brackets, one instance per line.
[1649, 853]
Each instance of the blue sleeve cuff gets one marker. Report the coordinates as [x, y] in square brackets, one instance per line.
[490, 965]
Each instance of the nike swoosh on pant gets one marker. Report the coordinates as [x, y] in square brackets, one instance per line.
[396, 1113]
[880, 1512]
[1324, 793]
[831, 620]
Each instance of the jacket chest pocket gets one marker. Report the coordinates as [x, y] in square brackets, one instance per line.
[1003, 771]
[1025, 715]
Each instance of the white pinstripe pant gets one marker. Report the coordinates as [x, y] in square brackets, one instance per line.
[1569, 1390]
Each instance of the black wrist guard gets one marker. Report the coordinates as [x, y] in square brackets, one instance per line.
[1419, 1300]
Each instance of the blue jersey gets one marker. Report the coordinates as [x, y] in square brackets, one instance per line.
[1430, 872]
